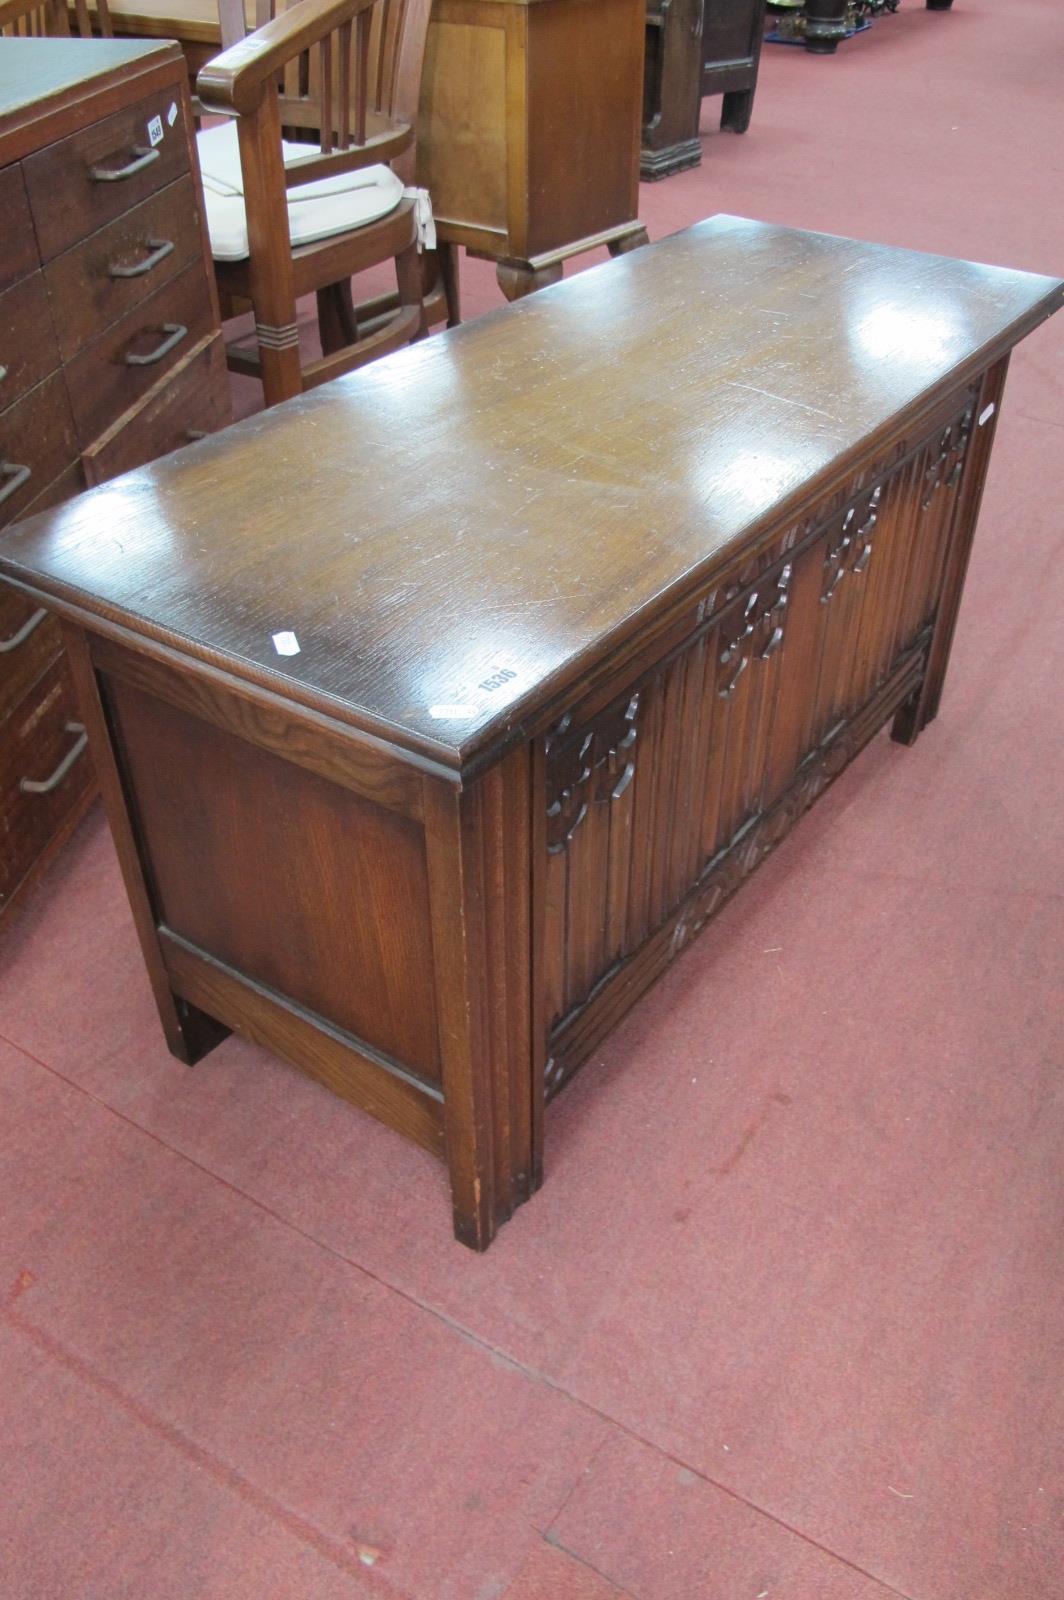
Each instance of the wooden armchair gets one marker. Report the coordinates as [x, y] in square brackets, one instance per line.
[50, 19]
[289, 217]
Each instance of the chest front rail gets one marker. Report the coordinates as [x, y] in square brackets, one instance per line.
[445, 953]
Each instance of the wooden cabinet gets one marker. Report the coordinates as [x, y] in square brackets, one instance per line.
[573, 680]
[528, 133]
[695, 48]
[110, 353]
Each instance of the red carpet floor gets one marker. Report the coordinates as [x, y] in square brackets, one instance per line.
[787, 1320]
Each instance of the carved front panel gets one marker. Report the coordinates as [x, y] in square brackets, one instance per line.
[647, 797]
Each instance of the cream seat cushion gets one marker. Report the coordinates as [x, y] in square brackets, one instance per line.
[315, 210]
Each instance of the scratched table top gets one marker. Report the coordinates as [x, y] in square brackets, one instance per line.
[452, 535]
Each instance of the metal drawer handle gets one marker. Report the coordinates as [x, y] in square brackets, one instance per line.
[30, 625]
[141, 158]
[160, 249]
[176, 332]
[46, 785]
[16, 477]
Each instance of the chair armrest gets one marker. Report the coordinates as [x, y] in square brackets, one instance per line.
[235, 80]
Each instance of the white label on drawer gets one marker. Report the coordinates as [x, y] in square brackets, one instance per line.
[452, 713]
[171, 115]
[986, 413]
[286, 644]
[155, 131]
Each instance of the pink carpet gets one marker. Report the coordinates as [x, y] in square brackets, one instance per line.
[787, 1320]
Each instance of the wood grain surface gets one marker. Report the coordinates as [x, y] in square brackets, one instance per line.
[453, 534]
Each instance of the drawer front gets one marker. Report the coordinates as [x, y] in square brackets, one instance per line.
[37, 442]
[28, 351]
[45, 771]
[117, 268]
[191, 400]
[129, 359]
[83, 182]
[29, 640]
[18, 242]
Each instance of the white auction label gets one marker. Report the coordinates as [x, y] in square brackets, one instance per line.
[171, 115]
[987, 413]
[452, 713]
[155, 131]
[286, 644]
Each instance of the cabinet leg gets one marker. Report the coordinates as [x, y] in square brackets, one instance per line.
[481, 934]
[628, 241]
[906, 727]
[736, 108]
[190, 1033]
[922, 708]
[518, 278]
[939, 5]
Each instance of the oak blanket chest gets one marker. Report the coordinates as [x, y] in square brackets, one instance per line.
[436, 710]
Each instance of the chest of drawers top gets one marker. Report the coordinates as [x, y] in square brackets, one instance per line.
[453, 535]
[51, 87]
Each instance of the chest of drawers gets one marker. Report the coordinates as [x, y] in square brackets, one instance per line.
[110, 355]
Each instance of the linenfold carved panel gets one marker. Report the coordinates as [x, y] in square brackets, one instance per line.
[680, 770]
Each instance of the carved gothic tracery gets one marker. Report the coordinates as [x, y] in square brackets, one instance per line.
[949, 462]
[754, 632]
[588, 765]
[852, 551]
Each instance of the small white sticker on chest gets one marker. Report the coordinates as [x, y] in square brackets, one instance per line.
[286, 643]
[171, 115]
[452, 712]
[155, 131]
[986, 413]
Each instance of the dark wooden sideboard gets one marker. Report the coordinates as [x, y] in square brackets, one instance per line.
[696, 48]
[110, 352]
[422, 766]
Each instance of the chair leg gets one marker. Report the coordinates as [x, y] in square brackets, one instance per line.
[448, 260]
[411, 287]
[281, 372]
[337, 318]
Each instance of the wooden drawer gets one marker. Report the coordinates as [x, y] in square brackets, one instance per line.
[28, 351]
[112, 375]
[37, 442]
[116, 268]
[38, 747]
[29, 640]
[191, 400]
[18, 242]
[81, 183]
